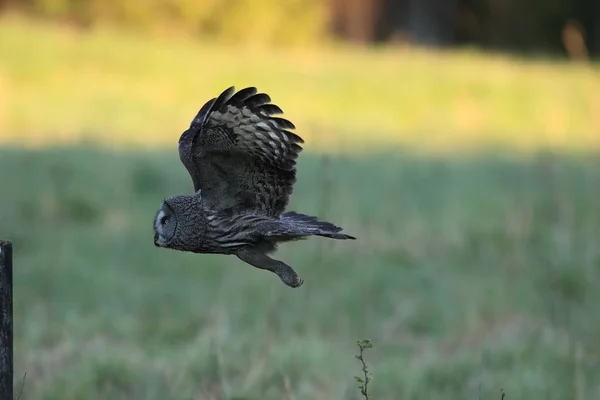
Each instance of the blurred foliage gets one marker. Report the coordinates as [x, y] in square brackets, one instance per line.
[267, 21]
[534, 25]
[128, 88]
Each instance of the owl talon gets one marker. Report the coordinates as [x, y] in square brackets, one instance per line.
[293, 282]
[288, 275]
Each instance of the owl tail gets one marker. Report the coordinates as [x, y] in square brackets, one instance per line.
[305, 225]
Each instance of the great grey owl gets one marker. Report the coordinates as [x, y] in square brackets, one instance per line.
[242, 161]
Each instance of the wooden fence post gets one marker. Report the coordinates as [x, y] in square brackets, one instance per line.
[6, 321]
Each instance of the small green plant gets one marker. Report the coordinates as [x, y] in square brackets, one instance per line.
[366, 378]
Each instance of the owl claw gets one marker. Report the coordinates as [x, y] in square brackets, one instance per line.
[294, 283]
[289, 276]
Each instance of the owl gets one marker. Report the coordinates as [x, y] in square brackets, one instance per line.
[242, 161]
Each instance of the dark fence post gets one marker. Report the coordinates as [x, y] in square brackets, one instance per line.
[6, 321]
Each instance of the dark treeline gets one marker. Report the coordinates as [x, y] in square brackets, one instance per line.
[526, 26]
[549, 26]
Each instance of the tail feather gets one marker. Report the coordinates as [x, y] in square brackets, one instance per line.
[308, 225]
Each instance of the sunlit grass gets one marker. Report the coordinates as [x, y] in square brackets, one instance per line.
[57, 85]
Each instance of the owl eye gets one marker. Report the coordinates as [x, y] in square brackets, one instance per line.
[164, 220]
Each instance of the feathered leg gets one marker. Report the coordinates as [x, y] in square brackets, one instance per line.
[261, 260]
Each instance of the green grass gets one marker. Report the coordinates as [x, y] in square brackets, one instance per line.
[58, 85]
[468, 271]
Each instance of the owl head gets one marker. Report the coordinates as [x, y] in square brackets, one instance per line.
[165, 225]
[179, 222]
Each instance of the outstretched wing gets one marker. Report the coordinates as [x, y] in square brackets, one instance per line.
[239, 155]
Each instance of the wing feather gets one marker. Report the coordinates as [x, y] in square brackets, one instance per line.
[239, 155]
[270, 109]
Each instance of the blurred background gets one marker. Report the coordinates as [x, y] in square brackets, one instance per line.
[457, 139]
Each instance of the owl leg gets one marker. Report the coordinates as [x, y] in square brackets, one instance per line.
[262, 261]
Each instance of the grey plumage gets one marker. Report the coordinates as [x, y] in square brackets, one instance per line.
[242, 161]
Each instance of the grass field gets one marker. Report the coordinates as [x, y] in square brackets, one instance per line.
[466, 272]
[472, 272]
